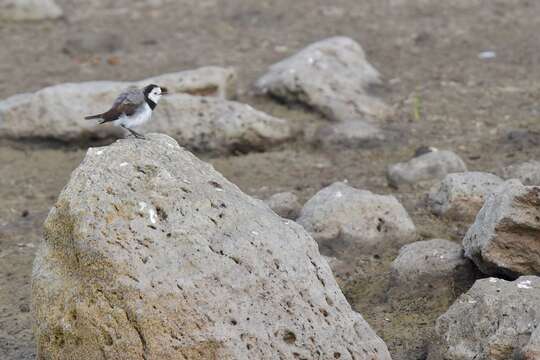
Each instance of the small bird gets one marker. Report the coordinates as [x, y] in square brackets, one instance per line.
[133, 107]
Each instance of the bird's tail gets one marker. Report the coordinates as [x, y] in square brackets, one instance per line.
[97, 116]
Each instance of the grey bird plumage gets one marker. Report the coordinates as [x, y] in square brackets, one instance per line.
[133, 107]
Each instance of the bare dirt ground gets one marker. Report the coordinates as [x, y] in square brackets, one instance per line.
[426, 50]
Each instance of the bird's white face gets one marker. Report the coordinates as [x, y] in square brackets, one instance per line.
[155, 94]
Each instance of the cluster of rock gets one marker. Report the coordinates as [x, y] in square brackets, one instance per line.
[495, 320]
[151, 253]
[331, 76]
[205, 123]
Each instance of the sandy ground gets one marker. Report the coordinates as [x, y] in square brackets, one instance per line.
[426, 50]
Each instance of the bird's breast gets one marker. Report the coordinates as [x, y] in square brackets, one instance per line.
[139, 117]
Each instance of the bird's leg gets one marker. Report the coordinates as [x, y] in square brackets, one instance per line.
[134, 133]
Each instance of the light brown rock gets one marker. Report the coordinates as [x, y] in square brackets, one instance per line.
[505, 237]
[332, 76]
[150, 253]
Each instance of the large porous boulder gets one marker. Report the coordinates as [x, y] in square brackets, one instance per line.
[492, 321]
[20, 10]
[349, 134]
[285, 204]
[460, 196]
[434, 165]
[528, 172]
[332, 76]
[505, 237]
[340, 216]
[150, 253]
[429, 268]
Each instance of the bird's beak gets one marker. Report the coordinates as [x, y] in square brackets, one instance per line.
[164, 91]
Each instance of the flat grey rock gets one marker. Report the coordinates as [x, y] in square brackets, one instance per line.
[331, 76]
[492, 321]
[149, 253]
[505, 237]
[340, 216]
[459, 196]
[431, 166]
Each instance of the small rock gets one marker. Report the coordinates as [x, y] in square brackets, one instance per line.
[430, 166]
[430, 268]
[460, 196]
[332, 76]
[21, 10]
[340, 216]
[25, 213]
[349, 134]
[165, 259]
[492, 321]
[285, 204]
[528, 173]
[504, 238]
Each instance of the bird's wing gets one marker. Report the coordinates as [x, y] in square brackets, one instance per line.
[126, 103]
[132, 95]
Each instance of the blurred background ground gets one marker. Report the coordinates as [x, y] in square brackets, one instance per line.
[426, 50]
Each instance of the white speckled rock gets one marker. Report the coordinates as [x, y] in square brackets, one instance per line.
[285, 204]
[492, 321]
[340, 216]
[429, 268]
[528, 173]
[150, 253]
[21, 10]
[349, 134]
[212, 124]
[505, 237]
[460, 196]
[431, 166]
[332, 76]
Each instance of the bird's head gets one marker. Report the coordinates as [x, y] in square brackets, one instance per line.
[154, 92]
